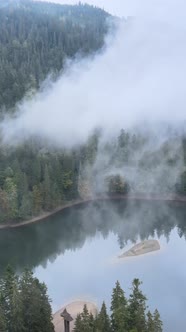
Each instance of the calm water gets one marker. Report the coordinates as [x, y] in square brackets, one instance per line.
[75, 253]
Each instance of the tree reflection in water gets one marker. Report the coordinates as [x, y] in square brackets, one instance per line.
[35, 244]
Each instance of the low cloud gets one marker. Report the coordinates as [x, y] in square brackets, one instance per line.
[138, 80]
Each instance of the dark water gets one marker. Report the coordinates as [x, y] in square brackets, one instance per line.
[75, 253]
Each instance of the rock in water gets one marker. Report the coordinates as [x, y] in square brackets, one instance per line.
[142, 248]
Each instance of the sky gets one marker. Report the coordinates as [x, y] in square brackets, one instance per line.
[115, 7]
[135, 7]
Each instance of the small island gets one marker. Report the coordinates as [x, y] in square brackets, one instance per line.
[142, 248]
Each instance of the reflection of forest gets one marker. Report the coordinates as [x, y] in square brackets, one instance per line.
[35, 244]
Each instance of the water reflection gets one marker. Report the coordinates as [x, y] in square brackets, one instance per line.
[36, 244]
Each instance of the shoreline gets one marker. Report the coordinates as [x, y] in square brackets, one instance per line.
[136, 197]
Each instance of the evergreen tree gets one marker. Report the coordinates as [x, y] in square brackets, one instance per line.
[3, 322]
[37, 37]
[46, 190]
[84, 322]
[158, 325]
[103, 320]
[129, 316]
[150, 322]
[119, 311]
[37, 200]
[78, 324]
[11, 307]
[137, 308]
[24, 304]
[12, 198]
[37, 315]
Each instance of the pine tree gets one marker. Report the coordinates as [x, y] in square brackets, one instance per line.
[46, 189]
[11, 308]
[37, 315]
[12, 197]
[84, 321]
[78, 324]
[119, 312]
[150, 322]
[37, 200]
[158, 325]
[103, 320]
[137, 308]
[3, 322]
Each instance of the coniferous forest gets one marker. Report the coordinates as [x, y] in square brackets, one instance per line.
[25, 306]
[35, 40]
[127, 315]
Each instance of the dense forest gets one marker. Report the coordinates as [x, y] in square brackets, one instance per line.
[25, 306]
[24, 303]
[127, 315]
[36, 38]
[35, 177]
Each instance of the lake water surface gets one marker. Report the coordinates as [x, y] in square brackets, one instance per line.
[75, 253]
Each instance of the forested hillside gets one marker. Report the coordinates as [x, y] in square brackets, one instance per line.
[37, 37]
[35, 40]
[36, 178]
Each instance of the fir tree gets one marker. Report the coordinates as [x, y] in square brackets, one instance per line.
[137, 308]
[103, 320]
[84, 322]
[150, 322]
[37, 315]
[119, 311]
[158, 325]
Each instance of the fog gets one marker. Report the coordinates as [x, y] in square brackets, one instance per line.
[115, 7]
[136, 82]
[138, 79]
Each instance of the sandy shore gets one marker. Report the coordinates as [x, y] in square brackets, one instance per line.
[142, 248]
[137, 197]
[73, 309]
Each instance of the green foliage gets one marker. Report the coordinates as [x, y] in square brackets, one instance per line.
[127, 315]
[137, 308]
[39, 180]
[12, 197]
[154, 323]
[102, 322]
[158, 325]
[150, 322]
[24, 304]
[84, 321]
[119, 311]
[117, 185]
[36, 38]
[37, 313]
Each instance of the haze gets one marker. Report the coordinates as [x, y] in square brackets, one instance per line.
[138, 79]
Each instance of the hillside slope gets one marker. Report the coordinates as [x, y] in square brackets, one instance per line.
[37, 37]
